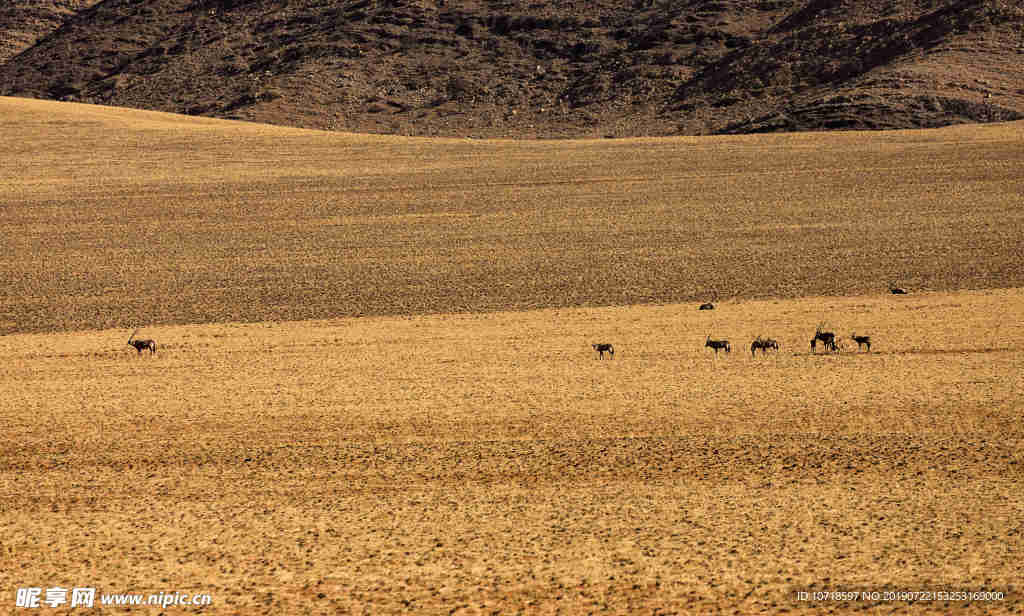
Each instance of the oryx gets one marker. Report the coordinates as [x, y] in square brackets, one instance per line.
[141, 344]
[861, 341]
[717, 344]
[764, 344]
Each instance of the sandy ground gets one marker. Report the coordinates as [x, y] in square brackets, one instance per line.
[491, 463]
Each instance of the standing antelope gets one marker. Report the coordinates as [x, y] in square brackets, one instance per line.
[828, 338]
[141, 344]
[717, 344]
[861, 341]
[764, 344]
[601, 348]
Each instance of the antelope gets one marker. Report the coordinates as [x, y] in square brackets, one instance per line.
[707, 306]
[828, 338]
[861, 341]
[764, 344]
[830, 345]
[601, 348]
[717, 344]
[141, 344]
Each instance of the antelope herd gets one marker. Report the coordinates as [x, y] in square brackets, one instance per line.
[829, 341]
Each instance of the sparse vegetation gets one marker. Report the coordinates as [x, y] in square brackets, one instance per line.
[169, 219]
[382, 463]
[557, 70]
[374, 391]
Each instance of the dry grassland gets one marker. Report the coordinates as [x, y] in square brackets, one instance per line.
[347, 414]
[115, 217]
[490, 463]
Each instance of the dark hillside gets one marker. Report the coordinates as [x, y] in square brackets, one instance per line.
[23, 22]
[566, 69]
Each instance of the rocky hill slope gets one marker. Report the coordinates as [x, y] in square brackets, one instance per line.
[493, 68]
[24, 22]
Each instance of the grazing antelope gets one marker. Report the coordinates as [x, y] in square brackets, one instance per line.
[861, 341]
[601, 348]
[898, 291]
[141, 344]
[718, 344]
[764, 344]
[707, 306]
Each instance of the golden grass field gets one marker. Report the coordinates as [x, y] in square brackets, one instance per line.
[116, 218]
[454, 450]
[490, 462]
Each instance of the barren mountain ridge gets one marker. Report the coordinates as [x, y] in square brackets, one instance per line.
[517, 69]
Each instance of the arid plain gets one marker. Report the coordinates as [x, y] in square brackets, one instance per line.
[374, 390]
